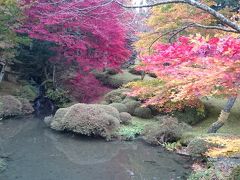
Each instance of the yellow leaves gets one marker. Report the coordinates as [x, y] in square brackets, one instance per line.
[226, 146]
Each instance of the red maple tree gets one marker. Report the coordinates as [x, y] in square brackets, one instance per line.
[90, 32]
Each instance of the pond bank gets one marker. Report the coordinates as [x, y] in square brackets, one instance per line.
[35, 152]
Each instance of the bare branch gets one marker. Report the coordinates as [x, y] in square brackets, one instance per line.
[215, 27]
[174, 32]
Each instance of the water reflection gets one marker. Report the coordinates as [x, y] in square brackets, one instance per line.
[38, 153]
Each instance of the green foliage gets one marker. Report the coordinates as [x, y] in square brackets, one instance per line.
[33, 61]
[191, 115]
[207, 174]
[136, 128]
[187, 137]
[172, 146]
[235, 174]
[10, 19]
[59, 96]
[27, 91]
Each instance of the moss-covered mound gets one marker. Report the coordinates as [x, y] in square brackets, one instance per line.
[132, 105]
[87, 119]
[116, 96]
[191, 115]
[198, 147]
[167, 130]
[12, 106]
[143, 112]
[119, 106]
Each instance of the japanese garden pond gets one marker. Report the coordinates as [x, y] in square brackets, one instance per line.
[35, 152]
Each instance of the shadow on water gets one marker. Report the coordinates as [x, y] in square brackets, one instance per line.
[38, 153]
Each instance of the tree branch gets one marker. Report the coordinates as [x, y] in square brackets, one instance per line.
[194, 3]
[174, 32]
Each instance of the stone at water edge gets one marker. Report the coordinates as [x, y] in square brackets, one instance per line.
[3, 165]
[47, 120]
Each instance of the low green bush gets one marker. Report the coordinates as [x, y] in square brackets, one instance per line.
[27, 91]
[59, 96]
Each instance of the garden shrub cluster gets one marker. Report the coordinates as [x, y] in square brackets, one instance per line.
[118, 98]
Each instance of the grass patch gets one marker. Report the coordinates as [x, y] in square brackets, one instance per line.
[214, 107]
[138, 125]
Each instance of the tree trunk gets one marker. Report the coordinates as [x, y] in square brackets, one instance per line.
[54, 77]
[143, 75]
[223, 117]
[2, 72]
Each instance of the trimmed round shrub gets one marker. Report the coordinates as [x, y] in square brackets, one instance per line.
[129, 98]
[143, 112]
[169, 130]
[87, 119]
[12, 106]
[104, 102]
[197, 147]
[115, 96]
[152, 75]
[116, 99]
[134, 71]
[132, 105]
[125, 118]
[120, 107]
[111, 71]
[115, 82]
